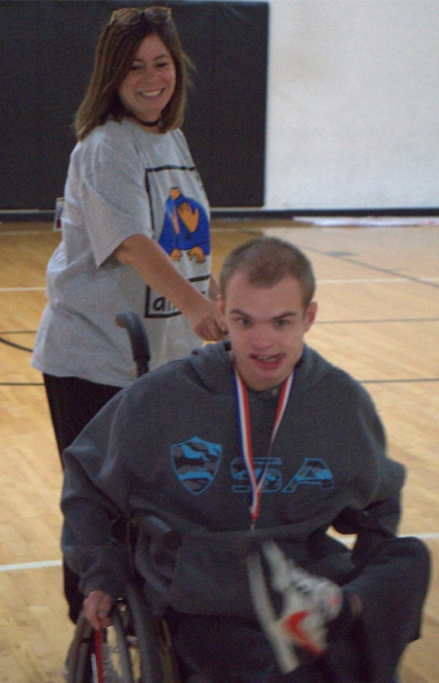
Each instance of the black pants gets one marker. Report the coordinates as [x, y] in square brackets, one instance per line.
[392, 585]
[73, 403]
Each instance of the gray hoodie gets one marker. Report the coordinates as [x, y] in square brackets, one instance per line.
[169, 444]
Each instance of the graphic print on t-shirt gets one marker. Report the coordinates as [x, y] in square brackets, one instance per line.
[185, 228]
[180, 224]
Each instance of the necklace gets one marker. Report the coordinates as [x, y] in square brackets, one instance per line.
[257, 478]
[148, 124]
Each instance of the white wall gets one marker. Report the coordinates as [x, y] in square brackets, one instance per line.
[353, 104]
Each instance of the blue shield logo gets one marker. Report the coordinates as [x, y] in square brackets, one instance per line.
[195, 463]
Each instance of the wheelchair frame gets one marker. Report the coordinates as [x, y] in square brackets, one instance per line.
[137, 647]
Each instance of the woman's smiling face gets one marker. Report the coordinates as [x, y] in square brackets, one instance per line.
[150, 82]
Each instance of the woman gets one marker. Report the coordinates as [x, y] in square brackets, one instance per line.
[135, 228]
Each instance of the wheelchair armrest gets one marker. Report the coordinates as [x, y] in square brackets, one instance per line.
[159, 530]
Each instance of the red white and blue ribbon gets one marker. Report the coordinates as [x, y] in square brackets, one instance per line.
[243, 413]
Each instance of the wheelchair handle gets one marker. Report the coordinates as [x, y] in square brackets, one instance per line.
[139, 341]
[160, 531]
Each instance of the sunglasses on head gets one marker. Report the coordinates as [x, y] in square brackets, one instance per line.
[156, 15]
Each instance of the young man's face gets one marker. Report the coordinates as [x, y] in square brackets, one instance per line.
[266, 327]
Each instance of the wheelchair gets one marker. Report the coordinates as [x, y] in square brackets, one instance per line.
[137, 647]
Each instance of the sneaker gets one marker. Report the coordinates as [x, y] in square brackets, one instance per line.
[293, 607]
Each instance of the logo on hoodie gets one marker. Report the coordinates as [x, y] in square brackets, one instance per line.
[313, 472]
[195, 463]
[273, 477]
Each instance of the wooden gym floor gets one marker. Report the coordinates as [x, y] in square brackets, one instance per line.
[378, 294]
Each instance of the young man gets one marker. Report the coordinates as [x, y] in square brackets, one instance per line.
[253, 448]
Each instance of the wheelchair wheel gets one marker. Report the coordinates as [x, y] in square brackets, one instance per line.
[155, 659]
[114, 652]
[135, 649]
[78, 665]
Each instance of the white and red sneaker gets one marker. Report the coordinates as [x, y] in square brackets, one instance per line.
[293, 606]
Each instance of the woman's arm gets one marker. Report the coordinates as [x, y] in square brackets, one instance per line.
[153, 264]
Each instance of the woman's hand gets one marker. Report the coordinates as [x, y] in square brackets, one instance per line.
[156, 268]
[207, 322]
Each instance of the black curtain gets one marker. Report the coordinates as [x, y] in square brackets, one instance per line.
[46, 56]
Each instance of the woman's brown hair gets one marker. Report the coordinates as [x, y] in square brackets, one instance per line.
[115, 51]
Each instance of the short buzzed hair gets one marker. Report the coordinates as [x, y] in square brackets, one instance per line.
[265, 261]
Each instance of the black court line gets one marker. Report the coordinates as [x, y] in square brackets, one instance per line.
[18, 331]
[14, 345]
[21, 384]
[376, 320]
[418, 380]
[378, 269]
